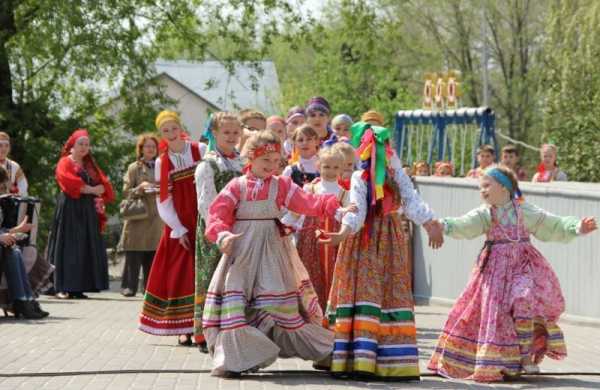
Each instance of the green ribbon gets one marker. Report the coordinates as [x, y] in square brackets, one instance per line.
[382, 136]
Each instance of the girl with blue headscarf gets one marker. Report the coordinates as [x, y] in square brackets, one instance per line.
[505, 321]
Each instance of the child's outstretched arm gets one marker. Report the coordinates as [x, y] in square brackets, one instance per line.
[473, 224]
[546, 226]
[415, 208]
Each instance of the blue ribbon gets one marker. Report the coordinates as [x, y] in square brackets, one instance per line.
[208, 134]
[500, 178]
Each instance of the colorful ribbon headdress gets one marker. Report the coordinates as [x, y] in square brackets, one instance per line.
[374, 150]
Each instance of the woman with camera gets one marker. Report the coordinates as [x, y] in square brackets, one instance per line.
[75, 245]
[143, 227]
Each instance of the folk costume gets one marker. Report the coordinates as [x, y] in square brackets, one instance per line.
[319, 259]
[303, 171]
[371, 307]
[212, 175]
[17, 181]
[260, 302]
[169, 300]
[75, 245]
[513, 300]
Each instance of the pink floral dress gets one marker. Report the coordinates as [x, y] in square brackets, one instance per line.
[511, 304]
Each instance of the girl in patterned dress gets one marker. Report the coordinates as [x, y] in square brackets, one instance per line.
[260, 302]
[371, 307]
[220, 165]
[505, 321]
[169, 300]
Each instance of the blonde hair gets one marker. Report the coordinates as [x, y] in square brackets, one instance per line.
[257, 140]
[327, 153]
[345, 148]
[139, 146]
[222, 116]
[4, 136]
[305, 130]
[551, 147]
[246, 115]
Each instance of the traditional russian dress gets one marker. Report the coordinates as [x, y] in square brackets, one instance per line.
[169, 300]
[513, 300]
[319, 259]
[17, 180]
[212, 174]
[303, 172]
[75, 244]
[260, 303]
[371, 307]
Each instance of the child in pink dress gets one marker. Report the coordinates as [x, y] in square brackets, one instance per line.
[505, 321]
[260, 302]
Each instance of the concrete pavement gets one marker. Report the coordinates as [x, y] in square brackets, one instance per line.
[94, 344]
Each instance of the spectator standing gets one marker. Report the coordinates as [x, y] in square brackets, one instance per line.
[140, 237]
[548, 169]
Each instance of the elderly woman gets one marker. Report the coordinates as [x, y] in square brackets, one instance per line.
[75, 245]
[140, 236]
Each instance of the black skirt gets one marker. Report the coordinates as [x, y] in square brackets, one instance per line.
[76, 248]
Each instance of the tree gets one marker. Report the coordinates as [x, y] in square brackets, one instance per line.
[58, 60]
[571, 86]
[350, 60]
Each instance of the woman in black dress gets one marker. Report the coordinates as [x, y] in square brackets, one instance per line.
[75, 245]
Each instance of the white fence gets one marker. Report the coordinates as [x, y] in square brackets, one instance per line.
[441, 275]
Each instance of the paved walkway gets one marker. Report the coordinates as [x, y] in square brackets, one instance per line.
[94, 344]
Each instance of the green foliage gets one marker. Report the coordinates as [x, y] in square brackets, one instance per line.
[350, 61]
[572, 84]
[58, 59]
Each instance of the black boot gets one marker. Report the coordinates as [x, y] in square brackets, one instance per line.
[37, 307]
[26, 309]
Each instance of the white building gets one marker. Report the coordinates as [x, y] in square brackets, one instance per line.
[203, 87]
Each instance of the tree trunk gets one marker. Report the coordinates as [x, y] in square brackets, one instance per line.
[7, 30]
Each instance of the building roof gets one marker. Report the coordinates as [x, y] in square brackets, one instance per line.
[212, 81]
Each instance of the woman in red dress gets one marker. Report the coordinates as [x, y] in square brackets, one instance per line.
[169, 300]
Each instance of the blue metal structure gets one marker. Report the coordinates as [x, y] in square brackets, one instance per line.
[484, 117]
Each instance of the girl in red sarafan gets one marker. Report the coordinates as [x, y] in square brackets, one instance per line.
[169, 301]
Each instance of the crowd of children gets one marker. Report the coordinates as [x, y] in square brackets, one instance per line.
[286, 237]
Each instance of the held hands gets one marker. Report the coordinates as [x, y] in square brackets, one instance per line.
[435, 231]
[23, 227]
[143, 186]
[588, 225]
[351, 208]
[98, 190]
[185, 242]
[334, 238]
[226, 244]
[7, 239]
